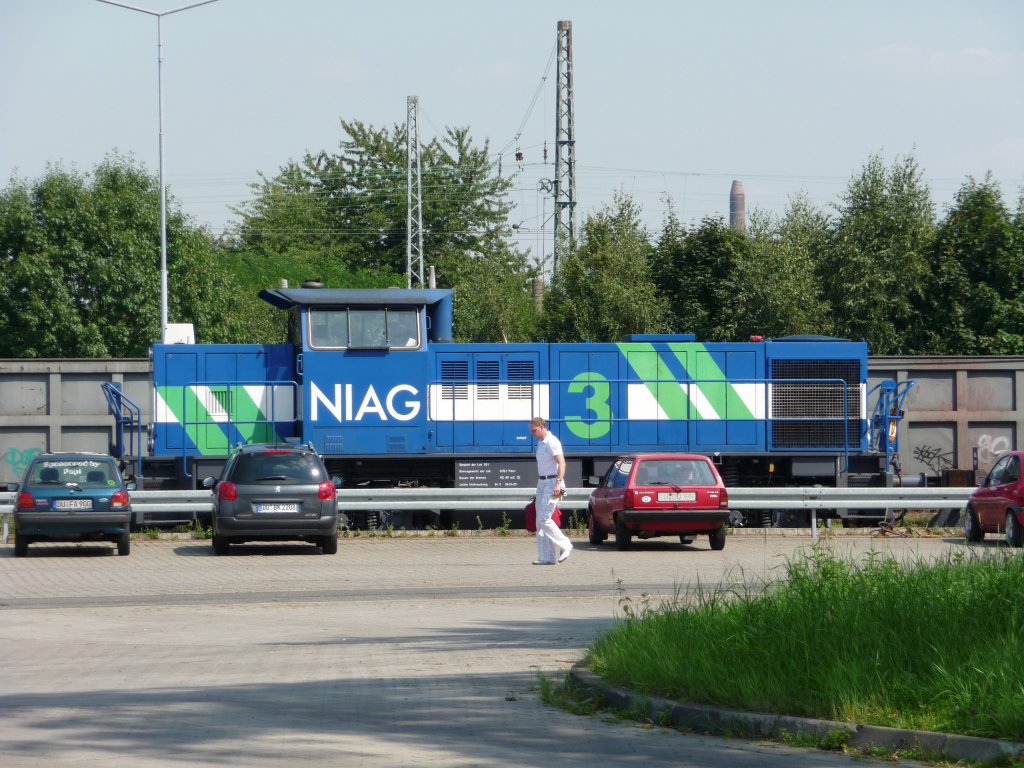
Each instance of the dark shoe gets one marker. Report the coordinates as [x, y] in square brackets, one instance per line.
[543, 562]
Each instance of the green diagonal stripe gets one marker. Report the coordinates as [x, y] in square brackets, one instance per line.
[723, 396]
[251, 422]
[208, 435]
[649, 366]
[700, 366]
[202, 430]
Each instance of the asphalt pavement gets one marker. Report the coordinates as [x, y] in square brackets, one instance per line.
[402, 651]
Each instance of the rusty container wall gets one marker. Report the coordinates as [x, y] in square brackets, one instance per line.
[962, 413]
[57, 405]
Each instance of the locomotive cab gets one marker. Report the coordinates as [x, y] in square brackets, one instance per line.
[389, 319]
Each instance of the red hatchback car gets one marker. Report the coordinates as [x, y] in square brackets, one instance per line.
[996, 505]
[659, 494]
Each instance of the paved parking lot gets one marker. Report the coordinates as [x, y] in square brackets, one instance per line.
[396, 651]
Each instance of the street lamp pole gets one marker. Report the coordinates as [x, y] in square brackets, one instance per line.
[160, 99]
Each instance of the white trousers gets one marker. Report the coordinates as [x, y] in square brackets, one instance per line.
[550, 538]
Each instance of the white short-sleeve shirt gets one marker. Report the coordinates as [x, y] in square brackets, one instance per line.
[547, 449]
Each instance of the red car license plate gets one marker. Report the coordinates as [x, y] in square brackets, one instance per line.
[683, 496]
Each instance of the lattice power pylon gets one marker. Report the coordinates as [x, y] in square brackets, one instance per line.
[414, 208]
[565, 147]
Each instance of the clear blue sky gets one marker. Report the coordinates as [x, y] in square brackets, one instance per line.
[674, 98]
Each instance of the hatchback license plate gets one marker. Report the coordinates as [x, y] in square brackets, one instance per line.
[685, 496]
[72, 504]
[277, 507]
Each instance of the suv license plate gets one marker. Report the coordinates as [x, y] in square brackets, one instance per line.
[277, 507]
[686, 496]
[72, 504]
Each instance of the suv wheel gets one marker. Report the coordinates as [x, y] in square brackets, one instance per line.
[595, 535]
[220, 545]
[623, 536]
[20, 545]
[1014, 531]
[717, 539]
[972, 528]
[329, 544]
[124, 542]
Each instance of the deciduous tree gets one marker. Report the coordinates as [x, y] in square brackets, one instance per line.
[603, 288]
[973, 291]
[80, 259]
[779, 293]
[873, 271]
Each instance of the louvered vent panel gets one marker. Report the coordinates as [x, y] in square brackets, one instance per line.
[454, 370]
[487, 370]
[521, 370]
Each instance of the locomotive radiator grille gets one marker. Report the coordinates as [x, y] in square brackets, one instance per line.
[807, 412]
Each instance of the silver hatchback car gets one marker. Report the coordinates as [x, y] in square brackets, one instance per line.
[274, 493]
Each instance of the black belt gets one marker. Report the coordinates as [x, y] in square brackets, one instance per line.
[548, 477]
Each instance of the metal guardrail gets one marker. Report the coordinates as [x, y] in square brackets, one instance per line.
[190, 505]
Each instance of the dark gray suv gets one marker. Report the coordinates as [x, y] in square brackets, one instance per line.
[274, 493]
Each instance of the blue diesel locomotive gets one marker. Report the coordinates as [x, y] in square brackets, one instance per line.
[373, 381]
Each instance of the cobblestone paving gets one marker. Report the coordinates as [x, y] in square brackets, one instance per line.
[399, 651]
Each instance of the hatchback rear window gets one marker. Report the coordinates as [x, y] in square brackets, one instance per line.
[675, 472]
[277, 467]
[84, 472]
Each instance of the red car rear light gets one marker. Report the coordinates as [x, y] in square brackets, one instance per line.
[226, 491]
[326, 491]
[119, 500]
[723, 498]
[25, 501]
[628, 499]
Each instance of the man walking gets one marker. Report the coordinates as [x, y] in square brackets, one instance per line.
[550, 487]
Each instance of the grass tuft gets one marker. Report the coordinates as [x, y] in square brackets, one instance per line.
[931, 646]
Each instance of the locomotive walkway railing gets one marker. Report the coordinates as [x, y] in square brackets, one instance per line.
[191, 505]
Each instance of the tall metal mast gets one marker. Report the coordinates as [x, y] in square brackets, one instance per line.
[565, 147]
[414, 208]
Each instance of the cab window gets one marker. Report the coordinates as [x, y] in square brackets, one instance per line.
[364, 328]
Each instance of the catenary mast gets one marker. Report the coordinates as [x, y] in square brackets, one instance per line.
[565, 147]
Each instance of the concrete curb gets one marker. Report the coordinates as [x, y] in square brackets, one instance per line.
[737, 723]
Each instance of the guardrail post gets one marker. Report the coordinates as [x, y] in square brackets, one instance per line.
[814, 523]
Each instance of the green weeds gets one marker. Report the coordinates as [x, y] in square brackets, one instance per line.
[931, 646]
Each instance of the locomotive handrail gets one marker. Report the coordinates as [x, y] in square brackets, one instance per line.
[125, 413]
[200, 503]
[691, 415]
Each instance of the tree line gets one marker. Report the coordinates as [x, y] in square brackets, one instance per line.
[79, 258]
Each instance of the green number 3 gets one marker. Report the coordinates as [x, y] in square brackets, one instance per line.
[596, 403]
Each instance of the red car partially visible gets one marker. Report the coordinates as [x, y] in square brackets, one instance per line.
[659, 494]
[996, 504]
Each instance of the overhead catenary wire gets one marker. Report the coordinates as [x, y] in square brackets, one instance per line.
[533, 102]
